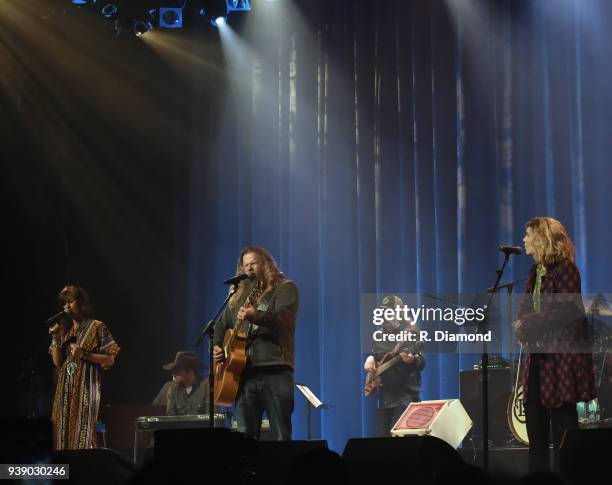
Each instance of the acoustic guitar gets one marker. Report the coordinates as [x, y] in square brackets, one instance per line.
[228, 372]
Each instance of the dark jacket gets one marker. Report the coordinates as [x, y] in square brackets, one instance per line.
[179, 403]
[565, 376]
[401, 383]
[272, 336]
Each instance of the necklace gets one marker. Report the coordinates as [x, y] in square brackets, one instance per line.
[75, 332]
[540, 272]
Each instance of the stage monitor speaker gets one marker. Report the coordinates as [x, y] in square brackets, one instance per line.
[275, 458]
[196, 455]
[96, 466]
[414, 459]
[445, 419]
[500, 390]
[204, 448]
[584, 455]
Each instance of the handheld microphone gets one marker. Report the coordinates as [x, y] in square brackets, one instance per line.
[55, 318]
[510, 249]
[237, 279]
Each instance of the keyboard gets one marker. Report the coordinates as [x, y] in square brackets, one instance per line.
[221, 420]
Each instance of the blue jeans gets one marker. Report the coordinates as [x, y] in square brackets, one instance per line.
[268, 389]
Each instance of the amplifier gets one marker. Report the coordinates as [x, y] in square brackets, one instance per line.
[444, 419]
[500, 392]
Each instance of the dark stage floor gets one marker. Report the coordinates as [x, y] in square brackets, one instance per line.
[512, 460]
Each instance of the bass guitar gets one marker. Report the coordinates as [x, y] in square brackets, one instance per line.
[373, 379]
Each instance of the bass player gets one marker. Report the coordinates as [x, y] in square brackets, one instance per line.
[400, 384]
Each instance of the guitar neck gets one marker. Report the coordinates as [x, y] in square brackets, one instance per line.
[391, 362]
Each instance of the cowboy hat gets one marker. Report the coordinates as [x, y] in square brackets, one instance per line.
[185, 360]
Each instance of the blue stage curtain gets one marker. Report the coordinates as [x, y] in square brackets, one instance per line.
[391, 147]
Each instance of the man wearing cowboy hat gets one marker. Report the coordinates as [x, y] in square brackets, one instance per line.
[187, 393]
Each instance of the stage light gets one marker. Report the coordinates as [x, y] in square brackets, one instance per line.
[237, 6]
[171, 18]
[219, 22]
[79, 2]
[215, 11]
[109, 10]
[141, 27]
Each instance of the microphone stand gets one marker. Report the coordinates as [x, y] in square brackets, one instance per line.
[29, 370]
[209, 329]
[485, 365]
[513, 368]
[509, 287]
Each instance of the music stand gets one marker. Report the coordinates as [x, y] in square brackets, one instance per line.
[311, 401]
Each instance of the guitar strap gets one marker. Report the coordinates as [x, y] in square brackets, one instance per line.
[253, 328]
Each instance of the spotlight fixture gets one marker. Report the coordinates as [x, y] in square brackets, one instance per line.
[237, 6]
[141, 27]
[219, 21]
[109, 10]
[171, 18]
[141, 19]
[215, 11]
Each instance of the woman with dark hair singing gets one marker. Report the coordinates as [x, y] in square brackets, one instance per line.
[79, 351]
[552, 326]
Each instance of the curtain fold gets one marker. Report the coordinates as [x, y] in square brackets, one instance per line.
[391, 147]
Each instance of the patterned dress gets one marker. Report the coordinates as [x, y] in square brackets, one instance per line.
[564, 376]
[77, 395]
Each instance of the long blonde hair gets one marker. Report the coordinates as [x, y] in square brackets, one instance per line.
[272, 275]
[551, 243]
